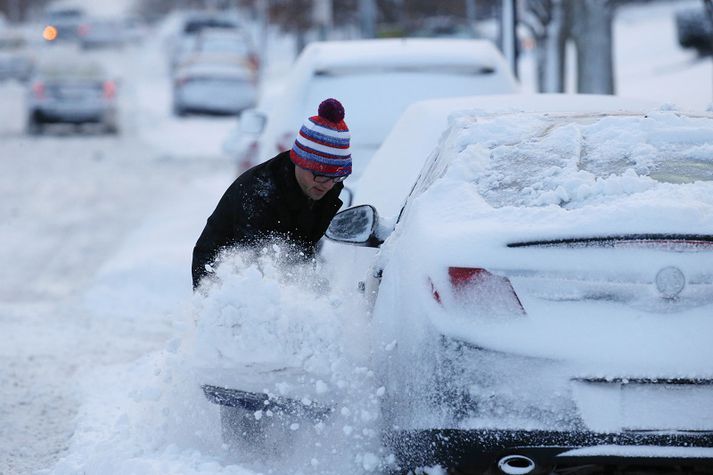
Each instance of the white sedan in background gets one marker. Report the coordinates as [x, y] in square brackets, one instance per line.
[375, 80]
[542, 302]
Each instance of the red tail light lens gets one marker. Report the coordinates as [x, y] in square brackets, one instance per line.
[109, 90]
[83, 30]
[254, 62]
[482, 292]
[38, 89]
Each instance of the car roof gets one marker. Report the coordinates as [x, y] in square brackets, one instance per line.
[395, 166]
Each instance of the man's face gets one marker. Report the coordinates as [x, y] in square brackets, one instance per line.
[310, 187]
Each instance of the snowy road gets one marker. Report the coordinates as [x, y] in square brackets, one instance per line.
[69, 202]
[96, 234]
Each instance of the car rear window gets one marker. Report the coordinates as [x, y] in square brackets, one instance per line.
[538, 160]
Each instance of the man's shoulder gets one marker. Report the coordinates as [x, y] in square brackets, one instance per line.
[263, 181]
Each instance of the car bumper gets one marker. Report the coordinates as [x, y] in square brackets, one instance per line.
[478, 451]
[220, 100]
[74, 114]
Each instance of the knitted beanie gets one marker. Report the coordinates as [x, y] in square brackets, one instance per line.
[322, 144]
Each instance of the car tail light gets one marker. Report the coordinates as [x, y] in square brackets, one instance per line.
[38, 89]
[83, 30]
[254, 62]
[109, 89]
[480, 291]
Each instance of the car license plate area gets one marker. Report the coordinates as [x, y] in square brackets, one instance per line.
[621, 406]
[78, 93]
[667, 406]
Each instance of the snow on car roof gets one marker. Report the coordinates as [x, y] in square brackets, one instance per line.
[401, 53]
[395, 166]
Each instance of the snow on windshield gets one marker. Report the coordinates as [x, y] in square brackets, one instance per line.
[539, 160]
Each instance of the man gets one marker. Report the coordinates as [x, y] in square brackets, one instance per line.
[291, 197]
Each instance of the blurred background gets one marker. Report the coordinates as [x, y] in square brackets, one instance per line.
[123, 121]
[152, 68]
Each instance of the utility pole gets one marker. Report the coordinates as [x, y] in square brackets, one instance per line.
[263, 13]
[470, 10]
[13, 8]
[367, 18]
[322, 17]
[709, 12]
[508, 33]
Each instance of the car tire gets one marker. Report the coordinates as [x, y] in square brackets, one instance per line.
[179, 111]
[111, 128]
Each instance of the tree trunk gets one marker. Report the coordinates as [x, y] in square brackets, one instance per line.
[367, 17]
[548, 21]
[592, 34]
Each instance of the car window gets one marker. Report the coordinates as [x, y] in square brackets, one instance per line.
[195, 26]
[224, 45]
[540, 160]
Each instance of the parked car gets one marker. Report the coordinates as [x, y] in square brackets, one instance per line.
[376, 80]
[72, 93]
[16, 62]
[213, 87]
[695, 29]
[542, 298]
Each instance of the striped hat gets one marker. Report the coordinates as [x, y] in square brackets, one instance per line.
[322, 145]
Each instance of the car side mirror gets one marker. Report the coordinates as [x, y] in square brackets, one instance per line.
[357, 226]
[252, 121]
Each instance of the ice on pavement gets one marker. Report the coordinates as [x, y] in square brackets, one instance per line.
[262, 327]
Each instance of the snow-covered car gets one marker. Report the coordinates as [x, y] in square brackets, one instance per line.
[542, 301]
[71, 93]
[214, 88]
[376, 80]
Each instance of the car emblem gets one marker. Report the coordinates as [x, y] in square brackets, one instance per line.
[670, 281]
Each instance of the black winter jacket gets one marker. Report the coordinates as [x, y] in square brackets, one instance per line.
[262, 204]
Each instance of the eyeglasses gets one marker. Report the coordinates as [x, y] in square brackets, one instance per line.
[326, 179]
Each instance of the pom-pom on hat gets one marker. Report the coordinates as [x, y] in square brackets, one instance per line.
[322, 144]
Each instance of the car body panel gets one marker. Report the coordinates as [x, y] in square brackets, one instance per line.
[566, 340]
